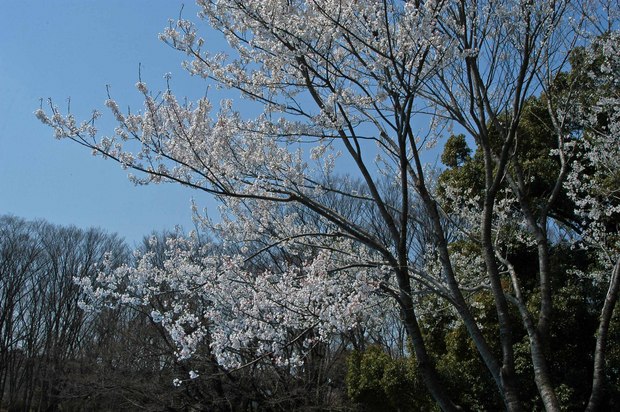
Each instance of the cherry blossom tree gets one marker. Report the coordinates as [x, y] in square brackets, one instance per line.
[329, 180]
[593, 183]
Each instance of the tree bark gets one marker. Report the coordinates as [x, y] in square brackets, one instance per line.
[425, 363]
[600, 351]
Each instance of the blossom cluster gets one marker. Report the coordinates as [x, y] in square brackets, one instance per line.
[595, 175]
[204, 299]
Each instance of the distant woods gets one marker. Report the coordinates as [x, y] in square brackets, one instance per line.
[54, 356]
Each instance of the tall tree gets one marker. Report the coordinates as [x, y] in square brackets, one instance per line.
[44, 333]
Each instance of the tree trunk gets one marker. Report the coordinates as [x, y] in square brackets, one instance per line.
[425, 363]
[600, 351]
[509, 384]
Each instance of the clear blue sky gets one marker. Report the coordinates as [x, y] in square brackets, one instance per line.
[62, 49]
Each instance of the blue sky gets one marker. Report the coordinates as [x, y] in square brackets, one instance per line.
[60, 49]
[72, 49]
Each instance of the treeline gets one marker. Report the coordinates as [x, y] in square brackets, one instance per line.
[55, 356]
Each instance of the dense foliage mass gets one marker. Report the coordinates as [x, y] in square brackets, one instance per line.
[488, 284]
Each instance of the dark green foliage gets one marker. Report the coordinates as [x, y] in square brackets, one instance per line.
[532, 152]
[379, 382]
[577, 296]
[577, 301]
[455, 152]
